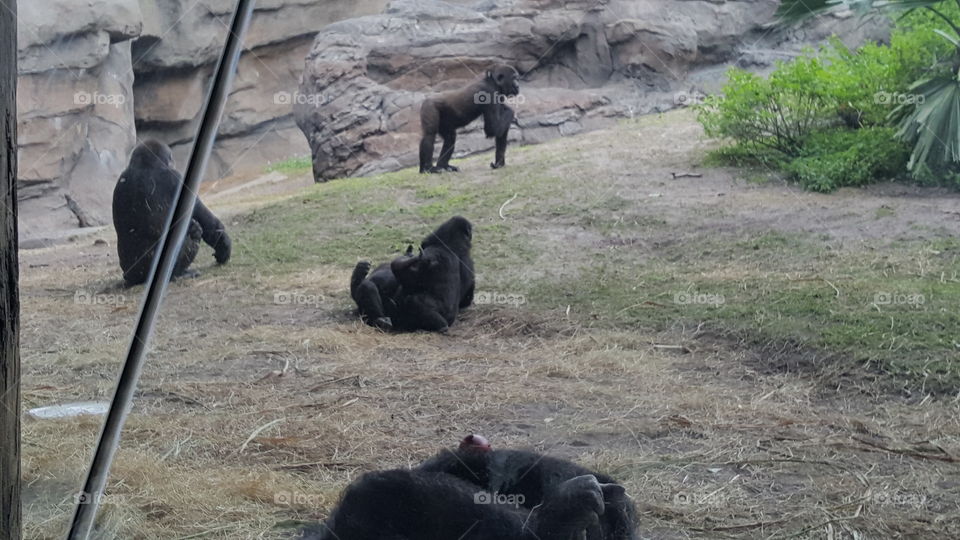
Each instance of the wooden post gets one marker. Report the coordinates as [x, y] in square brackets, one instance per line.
[9, 301]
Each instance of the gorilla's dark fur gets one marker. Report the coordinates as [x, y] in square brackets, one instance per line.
[142, 202]
[444, 113]
[444, 499]
[535, 476]
[375, 294]
[437, 283]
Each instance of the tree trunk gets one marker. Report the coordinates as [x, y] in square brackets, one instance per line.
[9, 301]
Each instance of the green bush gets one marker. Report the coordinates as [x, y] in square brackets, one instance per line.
[846, 157]
[775, 113]
[826, 117]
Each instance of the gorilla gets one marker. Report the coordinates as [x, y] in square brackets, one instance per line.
[444, 113]
[436, 284]
[375, 294]
[534, 477]
[540, 498]
[142, 202]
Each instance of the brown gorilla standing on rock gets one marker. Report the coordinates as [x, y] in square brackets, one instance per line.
[444, 113]
[142, 202]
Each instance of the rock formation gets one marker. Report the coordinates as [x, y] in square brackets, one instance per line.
[98, 75]
[585, 64]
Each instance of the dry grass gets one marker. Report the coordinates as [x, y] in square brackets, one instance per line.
[253, 415]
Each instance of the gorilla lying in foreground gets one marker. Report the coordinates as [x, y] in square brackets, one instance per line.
[375, 294]
[142, 202]
[460, 495]
[444, 113]
[439, 282]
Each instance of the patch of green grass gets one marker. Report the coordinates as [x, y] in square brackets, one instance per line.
[295, 164]
[883, 314]
[563, 242]
[885, 212]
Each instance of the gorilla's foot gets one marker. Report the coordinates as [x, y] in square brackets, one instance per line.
[497, 165]
[188, 274]
[383, 323]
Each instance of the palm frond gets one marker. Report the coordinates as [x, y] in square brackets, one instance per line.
[931, 122]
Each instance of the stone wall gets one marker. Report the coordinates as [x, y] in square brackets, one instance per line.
[585, 64]
[96, 76]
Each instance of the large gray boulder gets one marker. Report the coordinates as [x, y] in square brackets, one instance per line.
[75, 109]
[585, 64]
[176, 53]
[97, 75]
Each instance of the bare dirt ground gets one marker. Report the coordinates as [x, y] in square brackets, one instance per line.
[254, 411]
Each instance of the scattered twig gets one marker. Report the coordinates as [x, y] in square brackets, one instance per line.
[682, 348]
[258, 431]
[335, 381]
[502, 206]
[903, 452]
[686, 175]
[745, 526]
[206, 532]
[325, 464]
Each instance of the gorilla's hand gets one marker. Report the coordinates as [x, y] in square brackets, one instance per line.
[223, 248]
[195, 231]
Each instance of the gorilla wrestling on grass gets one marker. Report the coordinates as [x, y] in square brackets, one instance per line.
[439, 282]
[477, 493]
[444, 113]
[419, 292]
[376, 293]
[142, 202]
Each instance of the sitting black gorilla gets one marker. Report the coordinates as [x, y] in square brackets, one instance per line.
[437, 283]
[436, 502]
[142, 202]
[375, 294]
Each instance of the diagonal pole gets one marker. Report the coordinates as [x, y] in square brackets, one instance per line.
[88, 500]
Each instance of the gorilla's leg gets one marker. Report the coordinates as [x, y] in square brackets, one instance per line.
[368, 301]
[359, 274]
[446, 152]
[502, 131]
[188, 252]
[500, 159]
[420, 312]
[429, 125]
[467, 299]
[572, 508]
[137, 272]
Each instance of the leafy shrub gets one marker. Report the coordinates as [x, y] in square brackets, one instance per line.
[794, 120]
[845, 157]
[776, 113]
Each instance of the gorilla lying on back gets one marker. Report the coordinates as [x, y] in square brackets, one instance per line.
[375, 294]
[143, 200]
[533, 477]
[437, 283]
[446, 498]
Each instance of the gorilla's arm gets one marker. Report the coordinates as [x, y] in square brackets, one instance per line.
[496, 120]
[214, 233]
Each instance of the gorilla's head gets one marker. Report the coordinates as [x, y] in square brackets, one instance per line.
[505, 78]
[151, 154]
[455, 234]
